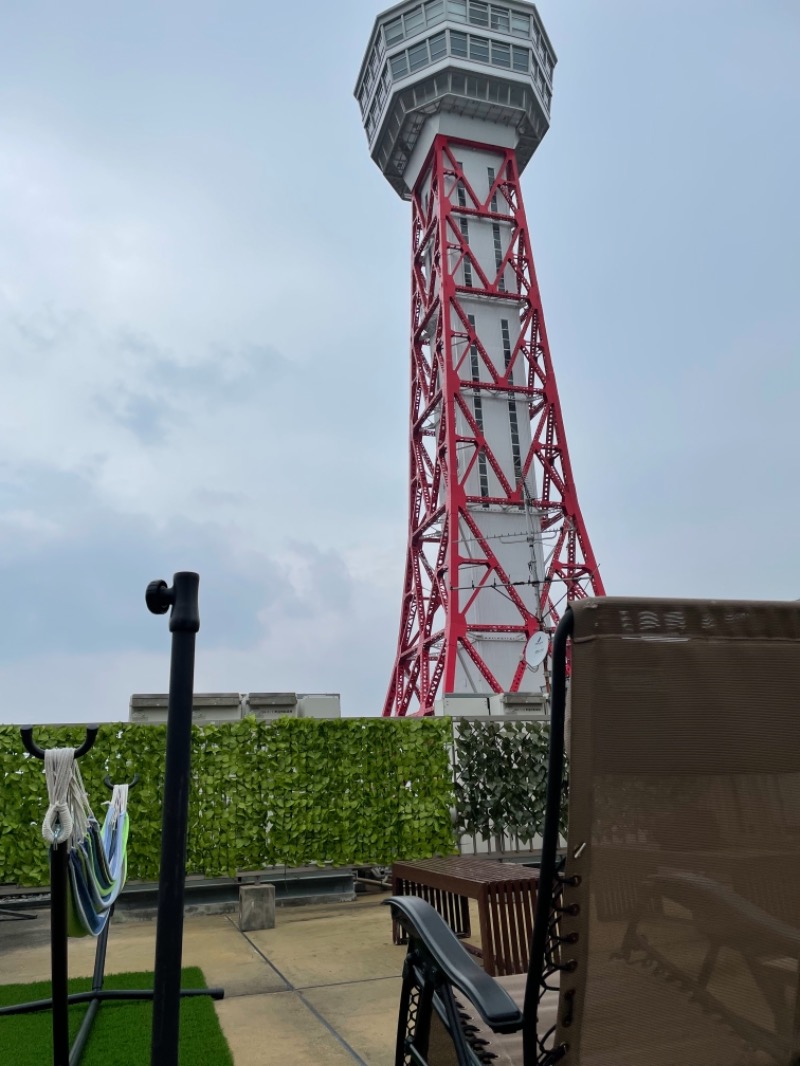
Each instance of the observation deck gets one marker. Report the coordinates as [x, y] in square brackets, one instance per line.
[482, 71]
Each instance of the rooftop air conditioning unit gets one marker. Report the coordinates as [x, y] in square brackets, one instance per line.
[466, 705]
[267, 706]
[530, 706]
[319, 705]
[207, 708]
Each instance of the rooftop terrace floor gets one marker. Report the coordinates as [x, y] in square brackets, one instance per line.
[322, 987]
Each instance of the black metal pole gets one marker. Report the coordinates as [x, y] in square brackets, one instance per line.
[550, 837]
[184, 624]
[84, 1032]
[97, 986]
[109, 994]
[59, 858]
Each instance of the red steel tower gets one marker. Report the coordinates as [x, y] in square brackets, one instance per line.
[455, 96]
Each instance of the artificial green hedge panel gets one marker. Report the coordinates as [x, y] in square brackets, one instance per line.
[296, 791]
[501, 779]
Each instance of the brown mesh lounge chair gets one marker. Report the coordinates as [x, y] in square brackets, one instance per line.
[670, 935]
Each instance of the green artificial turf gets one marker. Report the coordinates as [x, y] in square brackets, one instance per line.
[120, 1035]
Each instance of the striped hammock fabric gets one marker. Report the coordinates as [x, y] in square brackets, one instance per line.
[97, 870]
[97, 860]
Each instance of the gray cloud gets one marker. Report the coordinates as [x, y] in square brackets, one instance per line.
[81, 588]
[148, 419]
[328, 576]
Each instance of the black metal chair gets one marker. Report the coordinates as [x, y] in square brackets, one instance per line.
[665, 938]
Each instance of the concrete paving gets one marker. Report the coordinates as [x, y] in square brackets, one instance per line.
[320, 988]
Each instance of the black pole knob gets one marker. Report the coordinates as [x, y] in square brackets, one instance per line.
[182, 598]
[158, 597]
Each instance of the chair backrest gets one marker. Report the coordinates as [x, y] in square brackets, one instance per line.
[680, 910]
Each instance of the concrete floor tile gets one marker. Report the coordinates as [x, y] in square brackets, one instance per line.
[227, 958]
[347, 947]
[213, 943]
[351, 944]
[130, 948]
[352, 908]
[278, 1028]
[364, 1014]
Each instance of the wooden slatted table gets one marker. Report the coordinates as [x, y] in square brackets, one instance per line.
[506, 898]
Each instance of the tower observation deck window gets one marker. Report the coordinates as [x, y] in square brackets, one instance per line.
[479, 49]
[501, 54]
[458, 44]
[434, 12]
[520, 25]
[457, 10]
[438, 46]
[393, 31]
[478, 88]
[478, 13]
[418, 56]
[521, 59]
[500, 19]
[498, 93]
[414, 21]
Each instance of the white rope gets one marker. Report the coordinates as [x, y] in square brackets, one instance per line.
[79, 806]
[58, 763]
[68, 814]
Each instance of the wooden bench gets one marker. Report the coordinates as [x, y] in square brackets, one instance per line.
[505, 894]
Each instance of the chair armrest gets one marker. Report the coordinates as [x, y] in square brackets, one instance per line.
[426, 928]
[726, 915]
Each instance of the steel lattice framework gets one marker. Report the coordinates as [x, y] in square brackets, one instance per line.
[458, 477]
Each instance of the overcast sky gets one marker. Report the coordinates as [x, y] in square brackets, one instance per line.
[203, 330]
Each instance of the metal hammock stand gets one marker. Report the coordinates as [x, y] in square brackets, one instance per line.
[7, 915]
[166, 993]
